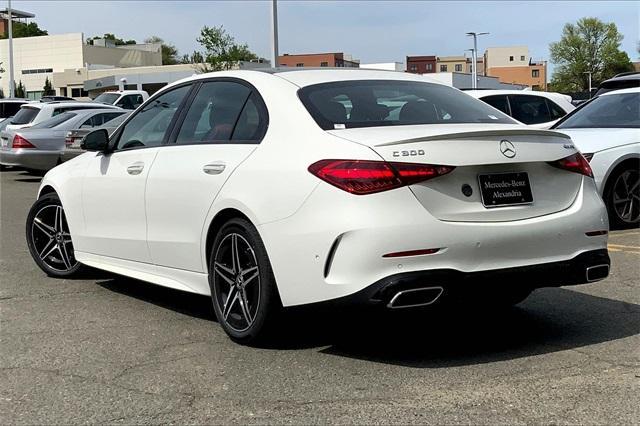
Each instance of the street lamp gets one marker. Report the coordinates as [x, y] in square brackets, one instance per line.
[10, 14]
[474, 73]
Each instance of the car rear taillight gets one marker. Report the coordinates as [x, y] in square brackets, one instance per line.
[362, 177]
[20, 142]
[574, 163]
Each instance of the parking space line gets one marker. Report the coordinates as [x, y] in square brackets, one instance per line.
[624, 247]
[625, 234]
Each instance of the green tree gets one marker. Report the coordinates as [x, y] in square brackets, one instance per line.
[108, 36]
[20, 91]
[589, 45]
[48, 87]
[169, 51]
[221, 50]
[195, 58]
[21, 29]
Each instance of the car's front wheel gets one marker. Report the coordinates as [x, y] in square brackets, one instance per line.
[48, 238]
[243, 288]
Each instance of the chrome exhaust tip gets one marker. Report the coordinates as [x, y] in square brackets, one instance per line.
[415, 297]
[597, 272]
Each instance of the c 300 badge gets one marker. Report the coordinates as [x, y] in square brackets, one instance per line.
[410, 153]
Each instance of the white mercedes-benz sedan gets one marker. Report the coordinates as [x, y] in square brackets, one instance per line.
[270, 189]
[607, 130]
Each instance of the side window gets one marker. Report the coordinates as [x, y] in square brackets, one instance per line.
[130, 102]
[252, 122]
[529, 109]
[555, 110]
[214, 113]
[149, 125]
[498, 102]
[89, 122]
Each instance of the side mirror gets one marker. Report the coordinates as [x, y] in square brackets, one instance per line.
[98, 140]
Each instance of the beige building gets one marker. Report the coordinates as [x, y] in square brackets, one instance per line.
[514, 65]
[451, 64]
[36, 58]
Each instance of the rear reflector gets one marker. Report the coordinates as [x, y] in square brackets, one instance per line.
[20, 142]
[596, 233]
[367, 177]
[412, 253]
[574, 163]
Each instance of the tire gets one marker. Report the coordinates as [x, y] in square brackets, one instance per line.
[622, 197]
[49, 240]
[247, 303]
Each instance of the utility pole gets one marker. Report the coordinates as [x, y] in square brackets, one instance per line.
[274, 33]
[12, 88]
[474, 70]
[589, 73]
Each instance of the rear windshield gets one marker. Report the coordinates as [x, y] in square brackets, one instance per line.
[373, 103]
[107, 98]
[9, 109]
[55, 121]
[610, 111]
[25, 115]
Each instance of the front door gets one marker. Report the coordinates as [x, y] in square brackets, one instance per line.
[114, 185]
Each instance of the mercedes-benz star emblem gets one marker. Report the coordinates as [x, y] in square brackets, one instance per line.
[507, 149]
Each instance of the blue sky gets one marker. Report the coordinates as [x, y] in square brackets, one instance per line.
[372, 31]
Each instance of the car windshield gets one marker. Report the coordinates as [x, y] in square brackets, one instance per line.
[107, 98]
[55, 121]
[25, 115]
[610, 111]
[373, 103]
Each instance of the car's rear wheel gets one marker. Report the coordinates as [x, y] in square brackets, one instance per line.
[48, 238]
[623, 197]
[243, 288]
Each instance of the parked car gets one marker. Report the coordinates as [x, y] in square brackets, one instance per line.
[53, 98]
[36, 112]
[41, 146]
[127, 99]
[9, 107]
[538, 109]
[607, 131]
[259, 189]
[73, 138]
[621, 81]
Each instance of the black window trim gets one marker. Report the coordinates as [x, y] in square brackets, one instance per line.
[260, 104]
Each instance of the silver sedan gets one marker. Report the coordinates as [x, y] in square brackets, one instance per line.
[41, 147]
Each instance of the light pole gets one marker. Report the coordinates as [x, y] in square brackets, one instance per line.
[474, 73]
[12, 88]
[274, 33]
[589, 73]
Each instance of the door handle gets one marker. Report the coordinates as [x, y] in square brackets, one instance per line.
[213, 168]
[135, 168]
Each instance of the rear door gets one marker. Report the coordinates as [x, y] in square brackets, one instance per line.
[223, 125]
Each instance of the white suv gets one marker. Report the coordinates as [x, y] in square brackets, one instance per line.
[126, 99]
[35, 112]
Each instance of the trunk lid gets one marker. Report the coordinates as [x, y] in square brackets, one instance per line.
[477, 153]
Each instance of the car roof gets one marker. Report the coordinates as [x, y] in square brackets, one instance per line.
[624, 76]
[622, 91]
[302, 77]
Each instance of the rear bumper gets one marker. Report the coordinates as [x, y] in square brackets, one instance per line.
[30, 158]
[457, 285]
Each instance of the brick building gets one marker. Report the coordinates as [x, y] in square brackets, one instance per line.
[332, 59]
[421, 64]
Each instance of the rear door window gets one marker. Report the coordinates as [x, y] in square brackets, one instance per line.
[498, 102]
[9, 109]
[529, 109]
[214, 112]
[25, 116]
[555, 111]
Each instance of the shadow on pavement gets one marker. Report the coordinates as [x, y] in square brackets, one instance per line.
[551, 320]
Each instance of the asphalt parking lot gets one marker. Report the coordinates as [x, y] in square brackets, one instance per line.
[109, 349]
